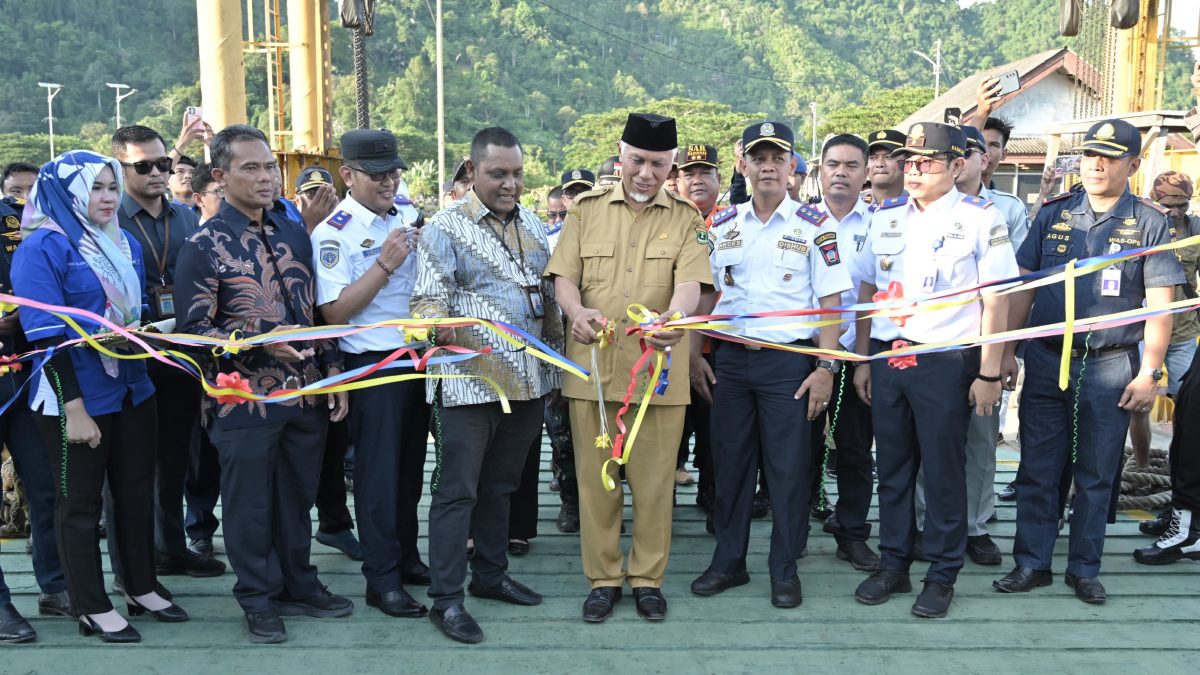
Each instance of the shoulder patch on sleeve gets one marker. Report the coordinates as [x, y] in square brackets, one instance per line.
[829, 252]
[1057, 197]
[814, 216]
[330, 254]
[723, 216]
[893, 202]
[822, 238]
[339, 220]
[979, 202]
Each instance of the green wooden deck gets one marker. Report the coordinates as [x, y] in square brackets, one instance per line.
[1149, 625]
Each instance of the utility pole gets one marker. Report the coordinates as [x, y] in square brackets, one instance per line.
[51, 91]
[813, 106]
[936, 62]
[441, 107]
[121, 97]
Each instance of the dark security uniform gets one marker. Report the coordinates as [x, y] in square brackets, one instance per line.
[1067, 228]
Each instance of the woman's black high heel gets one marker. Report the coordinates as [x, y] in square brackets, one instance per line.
[87, 628]
[172, 614]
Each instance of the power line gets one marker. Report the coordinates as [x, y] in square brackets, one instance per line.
[676, 58]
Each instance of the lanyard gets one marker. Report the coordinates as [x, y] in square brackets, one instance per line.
[291, 315]
[519, 262]
[159, 261]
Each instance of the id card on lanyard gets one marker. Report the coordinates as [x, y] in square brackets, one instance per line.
[162, 295]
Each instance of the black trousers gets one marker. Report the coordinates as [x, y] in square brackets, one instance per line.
[523, 507]
[920, 415]
[389, 426]
[178, 402]
[125, 457]
[269, 476]
[202, 487]
[853, 436]
[758, 412]
[333, 515]
[1185, 456]
[698, 421]
[483, 453]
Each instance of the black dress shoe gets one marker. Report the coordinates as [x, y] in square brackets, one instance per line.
[762, 505]
[820, 509]
[13, 627]
[1023, 579]
[1008, 494]
[1158, 526]
[599, 603]
[189, 563]
[201, 547]
[568, 519]
[858, 554]
[417, 575]
[54, 604]
[1087, 589]
[396, 603]
[265, 627]
[322, 605]
[125, 635]
[879, 587]
[785, 593]
[710, 583]
[172, 614]
[518, 547]
[934, 600]
[651, 605]
[508, 590]
[983, 551]
[456, 624]
[831, 524]
[118, 588]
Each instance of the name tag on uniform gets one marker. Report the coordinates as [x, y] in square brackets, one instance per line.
[1110, 282]
[928, 284]
[536, 304]
[163, 298]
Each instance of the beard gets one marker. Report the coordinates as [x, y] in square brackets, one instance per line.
[639, 197]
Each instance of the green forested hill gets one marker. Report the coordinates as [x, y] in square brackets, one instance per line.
[535, 66]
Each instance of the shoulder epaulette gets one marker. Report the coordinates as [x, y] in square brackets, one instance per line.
[1154, 205]
[893, 202]
[977, 201]
[339, 219]
[402, 201]
[594, 192]
[723, 216]
[814, 216]
[1058, 197]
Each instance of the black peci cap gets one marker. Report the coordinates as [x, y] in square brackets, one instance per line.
[647, 131]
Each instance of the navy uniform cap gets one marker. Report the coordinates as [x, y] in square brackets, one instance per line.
[974, 138]
[930, 138]
[776, 133]
[373, 149]
[887, 139]
[1113, 138]
[313, 176]
[578, 177]
[699, 154]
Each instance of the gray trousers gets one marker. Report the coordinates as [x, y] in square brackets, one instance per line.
[982, 432]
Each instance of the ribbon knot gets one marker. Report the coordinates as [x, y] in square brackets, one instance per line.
[893, 298]
[902, 362]
[232, 382]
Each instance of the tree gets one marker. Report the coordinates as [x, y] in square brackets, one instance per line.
[880, 110]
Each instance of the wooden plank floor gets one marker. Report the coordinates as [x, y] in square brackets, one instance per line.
[1149, 624]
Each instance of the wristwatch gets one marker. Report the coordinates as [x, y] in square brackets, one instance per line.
[834, 367]
[1155, 374]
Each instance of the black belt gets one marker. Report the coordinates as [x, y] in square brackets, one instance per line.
[1056, 346]
[756, 347]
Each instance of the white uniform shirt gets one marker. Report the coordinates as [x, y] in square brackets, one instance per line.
[852, 237]
[1014, 214]
[956, 242]
[552, 234]
[345, 246]
[782, 264]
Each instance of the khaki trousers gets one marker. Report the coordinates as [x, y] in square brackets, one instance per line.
[651, 477]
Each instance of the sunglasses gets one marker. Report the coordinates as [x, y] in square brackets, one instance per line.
[145, 166]
[394, 174]
[924, 164]
[556, 214]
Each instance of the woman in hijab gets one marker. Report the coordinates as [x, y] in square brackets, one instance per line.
[96, 413]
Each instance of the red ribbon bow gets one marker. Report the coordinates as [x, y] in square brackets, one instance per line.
[232, 381]
[902, 362]
[893, 298]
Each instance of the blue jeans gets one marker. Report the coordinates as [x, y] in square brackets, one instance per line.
[1178, 360]
[1048, 426]
[19, 432]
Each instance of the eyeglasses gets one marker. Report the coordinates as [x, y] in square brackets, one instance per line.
[924, 164]
[143, 167]
[394, 174]
[220, 192]
[556, 214]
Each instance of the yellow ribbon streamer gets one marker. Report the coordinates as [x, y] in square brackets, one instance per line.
[1064, 364]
